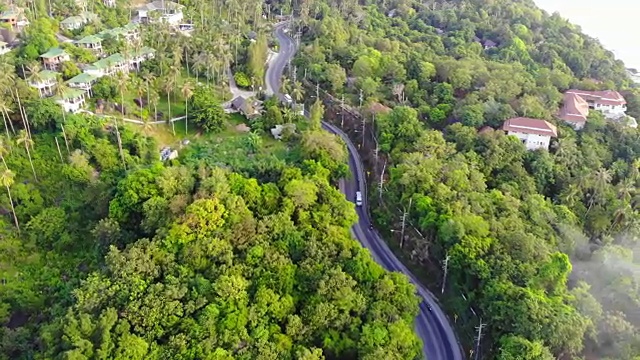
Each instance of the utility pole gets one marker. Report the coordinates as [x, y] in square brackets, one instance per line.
[445, 267]
[404, 218]
[381, 180]
[478, 337]
[342, 112]
[364, 122]
[317, 86]
[361, 98]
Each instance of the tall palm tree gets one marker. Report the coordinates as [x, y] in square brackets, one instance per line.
[7, 178]
[149, 78]
[35, 75]
[4, 151]
[297, 93]
[122, 83]
[187, 93]
[24, 138]
[285, 85]
[137, 84]
[168, 88]
[5, 110]
[62, 90]
[154, 99]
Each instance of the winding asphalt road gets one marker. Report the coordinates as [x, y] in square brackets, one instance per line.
[438, 338]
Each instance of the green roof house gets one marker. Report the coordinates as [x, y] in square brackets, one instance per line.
[44, 81]
[14, 17]
[91, 42]
[53, 58]
[72, 100]
[108, 66]
[141, 55]
[78, 21]
[83, 81]
[128, 32]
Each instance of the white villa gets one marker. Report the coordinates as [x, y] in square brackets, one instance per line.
[91, 42]
[53, 58]
[76, 22]
[72, 101]
[534, 133]
[108, 66]
[44, 82]
[83, 81]
[608, 102]
[163, 10]
[140, 56]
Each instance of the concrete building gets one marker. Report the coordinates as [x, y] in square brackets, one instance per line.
[161, 10]
[534, 133]
[574, 110]
[610, 103]
[91, 42]
[83, 81]
[72, 100]
[52, 59]
[45, 81]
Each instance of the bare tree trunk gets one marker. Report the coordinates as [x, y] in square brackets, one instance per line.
[66, 142]
[59, 152]
[26, 146]
[13, 209]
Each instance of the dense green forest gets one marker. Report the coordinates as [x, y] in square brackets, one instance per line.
[238, 249]
[540, 245]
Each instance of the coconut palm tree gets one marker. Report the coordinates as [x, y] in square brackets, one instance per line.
[297, 92]
[154, 99]
[187, 93]
[7, 178]
[4, 151]
[5, 110]
[62, 90]
[167, 86]
[35, 75]
[24, 138]
[285, 85]
[149, 78]
[122, 83]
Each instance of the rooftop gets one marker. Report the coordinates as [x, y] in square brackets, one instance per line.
[73, 20]
[574, 108]
[91, 39]
[53, 52]
[82, 78]
[70, 94]
[161, 5]
[145, 50]
[605, 97]
[530, 126]
[48, 74]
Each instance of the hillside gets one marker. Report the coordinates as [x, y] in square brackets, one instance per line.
[538, 244]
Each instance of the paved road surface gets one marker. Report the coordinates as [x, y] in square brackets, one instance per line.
[433, 327]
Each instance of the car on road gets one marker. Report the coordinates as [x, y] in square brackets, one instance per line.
[358, 198]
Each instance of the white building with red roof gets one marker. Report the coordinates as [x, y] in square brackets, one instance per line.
[534, 133]
[609, 102]
[575, 110]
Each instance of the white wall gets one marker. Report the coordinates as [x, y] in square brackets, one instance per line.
[532, 141]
